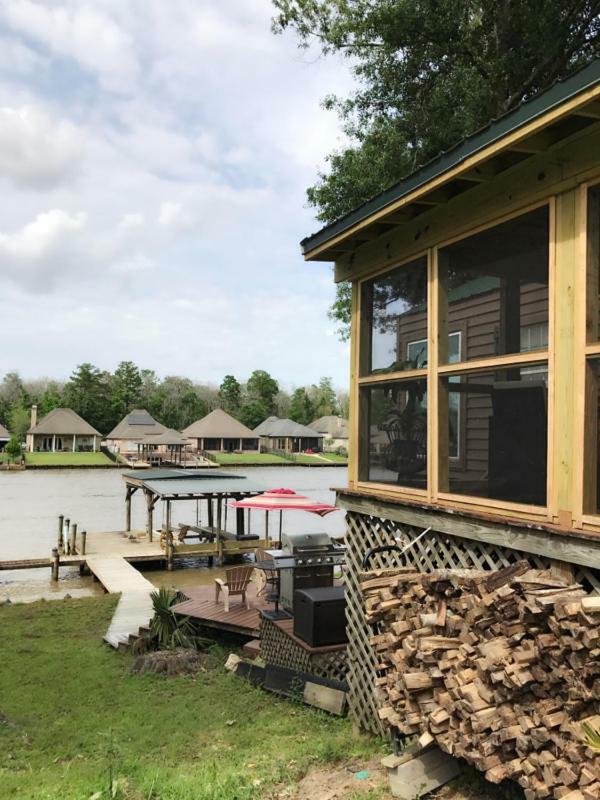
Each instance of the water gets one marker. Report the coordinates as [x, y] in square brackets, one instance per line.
[31, 501]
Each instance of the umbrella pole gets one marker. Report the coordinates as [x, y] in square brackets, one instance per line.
[267, 529]
[280, 526]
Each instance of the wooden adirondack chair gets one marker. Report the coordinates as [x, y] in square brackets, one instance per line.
[236, 582]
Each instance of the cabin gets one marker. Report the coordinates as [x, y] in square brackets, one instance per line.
[61, 431]
[4, 437]
[287, 436]
[475, 356]
[219, 432]
[136, 427]
[334, 429]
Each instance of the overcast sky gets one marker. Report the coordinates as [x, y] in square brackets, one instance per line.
[154, 156]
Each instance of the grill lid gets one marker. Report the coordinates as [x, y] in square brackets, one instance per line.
[292, 542]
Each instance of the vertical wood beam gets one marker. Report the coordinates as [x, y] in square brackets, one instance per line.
[562, 373]
[353, 442]
[438, 354]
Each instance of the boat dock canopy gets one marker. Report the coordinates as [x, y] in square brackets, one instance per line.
[185, 484]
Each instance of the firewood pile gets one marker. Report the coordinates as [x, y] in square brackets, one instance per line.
[500, 668]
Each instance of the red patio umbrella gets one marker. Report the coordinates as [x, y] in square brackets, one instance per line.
[284, 500]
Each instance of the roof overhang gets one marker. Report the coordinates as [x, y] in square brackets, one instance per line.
[535, 127]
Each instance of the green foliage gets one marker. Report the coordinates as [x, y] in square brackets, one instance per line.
[13, 449]
[87, 392]
[429, 72]
[302, 409]
[170, 630]
[592, 735]
[19, 421]
[253, 413]
[324, 399]
[125, 388]
[262, 388]
[230, 395]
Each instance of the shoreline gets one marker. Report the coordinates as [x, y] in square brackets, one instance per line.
[244, 464]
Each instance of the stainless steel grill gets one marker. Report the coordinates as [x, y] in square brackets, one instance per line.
[306, 561]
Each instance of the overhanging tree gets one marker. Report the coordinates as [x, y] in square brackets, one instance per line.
[428, 73]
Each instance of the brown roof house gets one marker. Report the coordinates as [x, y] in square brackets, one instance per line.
[219, 432]
[334, 429]
[287, 435]
[4, 437]
[62, 431]
[135, 427]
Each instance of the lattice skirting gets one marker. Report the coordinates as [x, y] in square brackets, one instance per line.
[434, 551]
[277, 648]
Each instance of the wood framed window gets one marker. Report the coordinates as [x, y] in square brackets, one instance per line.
[452, 365]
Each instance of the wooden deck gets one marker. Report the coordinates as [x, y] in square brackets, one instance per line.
[134, 609]
[201, 607]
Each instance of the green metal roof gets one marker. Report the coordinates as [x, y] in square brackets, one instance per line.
[192, 483]
[559, 93]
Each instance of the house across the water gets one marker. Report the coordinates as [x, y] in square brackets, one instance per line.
[4, 437]
[334, 429]
[285, 434]
[135, 427]
[475, 356]
[219, 432]
[60, 431]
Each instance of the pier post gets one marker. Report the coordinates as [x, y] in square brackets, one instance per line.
[219, 536]
[128, 510]
[73, 540]
[59, 541]
[55, 563]
[169, 550]
[65, 536]
[83, 538]
[149, 520]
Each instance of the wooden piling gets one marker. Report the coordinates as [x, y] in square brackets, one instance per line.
[55, 563]
[65, 537]
[73, 539]
[59, 541]
[83, 539]
[169, 550]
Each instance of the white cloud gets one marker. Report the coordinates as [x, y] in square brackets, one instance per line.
[81, 32]
[35, 150]
[175, 180]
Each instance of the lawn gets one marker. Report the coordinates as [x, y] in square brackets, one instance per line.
[67, 459]
[249, 458]
[335, 458]
[73, 713]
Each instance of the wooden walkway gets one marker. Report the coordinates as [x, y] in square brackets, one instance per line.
[134, 609]
[201, 607]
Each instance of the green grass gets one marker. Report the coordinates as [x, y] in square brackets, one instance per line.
[74, 713]
[336, 458]
[67, 459]
[249, 458]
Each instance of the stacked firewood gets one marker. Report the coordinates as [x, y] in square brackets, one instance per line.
[500, 668]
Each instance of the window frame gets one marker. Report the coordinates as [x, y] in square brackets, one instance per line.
[435, 371]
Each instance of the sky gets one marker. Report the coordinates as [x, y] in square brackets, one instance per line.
[154, 158]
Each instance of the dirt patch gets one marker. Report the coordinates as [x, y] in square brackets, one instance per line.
[342, 782]
[173, 662]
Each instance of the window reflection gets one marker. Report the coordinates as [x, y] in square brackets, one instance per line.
[394, 433]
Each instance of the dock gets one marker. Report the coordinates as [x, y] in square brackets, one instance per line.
[134, 609]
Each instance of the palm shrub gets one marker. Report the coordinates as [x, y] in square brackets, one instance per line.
[167, 629]
[591, 735]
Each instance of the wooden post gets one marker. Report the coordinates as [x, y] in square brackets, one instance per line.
[219, 538]
[61, 522]
[83, 540]
[73, 541]
[66, 527]
[55, 563]
[240, 520]
[128, 509]
[169, 550]
[149, 516]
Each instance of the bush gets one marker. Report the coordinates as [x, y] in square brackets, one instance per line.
[13, 449]
[341, 451]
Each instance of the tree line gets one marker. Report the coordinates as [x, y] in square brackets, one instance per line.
[103, 398]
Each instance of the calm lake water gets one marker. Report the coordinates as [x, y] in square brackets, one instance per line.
[31, 501]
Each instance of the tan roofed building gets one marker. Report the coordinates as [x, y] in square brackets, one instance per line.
[61, 431]
[136, 426]
[219, 432]
[4, 437]
[334, 429]
[287, 435]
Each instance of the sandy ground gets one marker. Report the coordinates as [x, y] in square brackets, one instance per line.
[364, 780]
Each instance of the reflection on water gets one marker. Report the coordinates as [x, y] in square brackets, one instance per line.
[31, 501]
